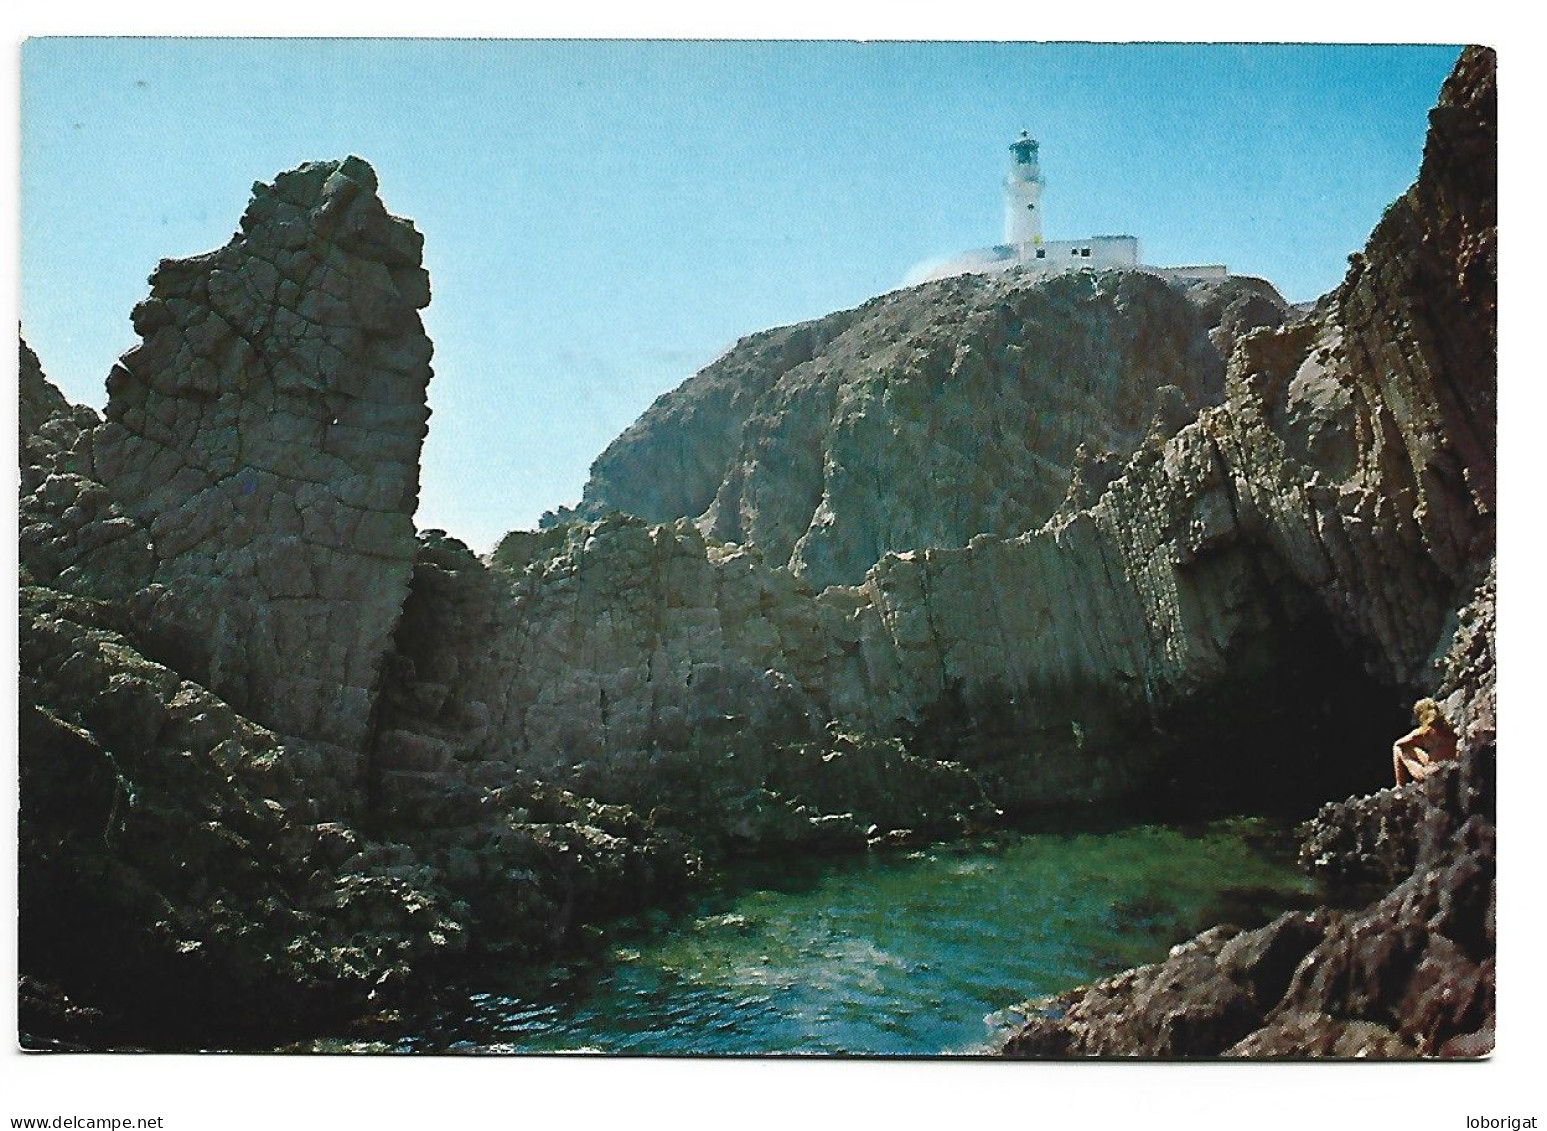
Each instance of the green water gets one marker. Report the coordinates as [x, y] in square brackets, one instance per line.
[891, 953]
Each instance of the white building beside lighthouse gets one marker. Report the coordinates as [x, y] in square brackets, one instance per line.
[1024, 246]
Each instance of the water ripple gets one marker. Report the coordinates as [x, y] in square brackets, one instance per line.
[909, 953]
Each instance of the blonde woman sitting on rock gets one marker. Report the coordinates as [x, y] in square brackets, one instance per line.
[1415, 754]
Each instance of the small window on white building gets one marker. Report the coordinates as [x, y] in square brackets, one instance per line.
[1041, 253]
[1085, 251]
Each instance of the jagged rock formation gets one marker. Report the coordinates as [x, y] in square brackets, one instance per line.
[37, 403]
[190, 878]
[266, 434]
[211, 579]
[178, 873]
[1235, 306]
[923, 418]
[71, 528]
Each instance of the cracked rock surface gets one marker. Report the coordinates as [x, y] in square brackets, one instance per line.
[265, 436]
[211, 579]
[924, 417]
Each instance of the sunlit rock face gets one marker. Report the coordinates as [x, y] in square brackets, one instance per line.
[919, 420]
[266, 434]
[642, 665]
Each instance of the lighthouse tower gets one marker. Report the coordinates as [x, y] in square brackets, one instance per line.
[1025, 250]
[1023, 194]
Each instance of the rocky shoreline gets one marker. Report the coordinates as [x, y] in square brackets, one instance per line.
[1410, 974]
[976, 547]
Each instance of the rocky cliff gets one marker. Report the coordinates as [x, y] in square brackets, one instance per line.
[1359, 448]
[1286, 541]
[922, 418]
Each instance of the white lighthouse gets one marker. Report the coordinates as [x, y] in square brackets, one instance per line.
[1025, 250]
[1023, 194]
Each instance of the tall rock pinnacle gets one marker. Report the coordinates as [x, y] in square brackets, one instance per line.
[267, 432]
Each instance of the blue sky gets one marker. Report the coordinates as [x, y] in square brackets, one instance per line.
[602, 218]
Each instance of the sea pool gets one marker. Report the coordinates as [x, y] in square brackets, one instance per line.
[890, 953]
